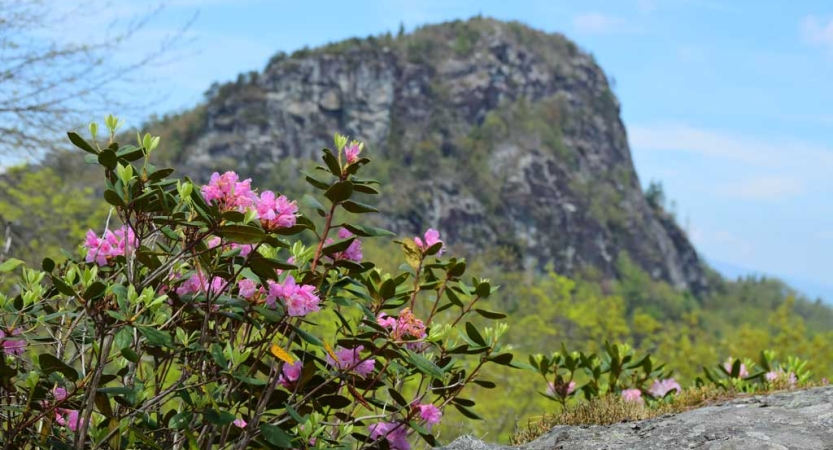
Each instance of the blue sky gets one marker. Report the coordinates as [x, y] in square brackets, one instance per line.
[728, 103]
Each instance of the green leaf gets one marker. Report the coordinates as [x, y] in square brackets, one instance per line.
[219, 418]
[156, 337]
[467, 412]
[130, 355]
[474, 335]
[12, 263]
[358, 208]
[160, 174]
[483, 289]
[332, 162]
[94, 291]
[50, 364]
[366, 231]
[130, 153]
[424, 365]
[337, 247]
[217, 354]
[181, 420]
[490, 314]
[339, 191]
[310, 339]
[48, 265]
[79, 142]
[335, 401]
[63, 288]
[275, 435]
[313, 203]
[315, 182]
[114, 198]
[504, 359]
[241, 234]
[365, 189]
[485, 384]
[108, 159]
[397, 397]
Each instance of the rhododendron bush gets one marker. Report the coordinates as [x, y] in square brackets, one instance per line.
[190, 320]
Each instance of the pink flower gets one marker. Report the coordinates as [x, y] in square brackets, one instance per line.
[662, 387]
[12, 346]
[68, 418]
[248, 288]
[353, 252]
[349, 359]
[432, 237]
[229, 192]
[551, 390]
[728, 366]
[407, 324]
[59, 393]
[430, 414]
[102, 250]
[198, 283]
[352, 152]
[290, 373]
[771, 376]
[394, 433]
[386, 320]
[275, 212]
[239, 423]
[299, 300]
[632, 395]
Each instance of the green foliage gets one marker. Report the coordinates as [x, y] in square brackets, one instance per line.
[195, 324]
[44, 210]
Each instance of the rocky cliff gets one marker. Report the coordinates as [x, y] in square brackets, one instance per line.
[801, 420]
[494, 133]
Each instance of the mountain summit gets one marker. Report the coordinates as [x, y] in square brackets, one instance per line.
[511, 137]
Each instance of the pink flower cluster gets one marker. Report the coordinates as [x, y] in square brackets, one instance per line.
[349, 359]
[407, 324]
[12, 346]
[632, 395]
[299, 299]
[781, 375]
[275, 212]
[430, 414]
[395, 433]
[352, 152]
[290, 373]
[661, 387]
[102, 250]
[432, 237]
[231, 194]
[743, 373]
[69, 418]
[199, 283]
[353, 252]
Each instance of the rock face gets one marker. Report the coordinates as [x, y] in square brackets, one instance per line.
[800, 420]
[511, 138]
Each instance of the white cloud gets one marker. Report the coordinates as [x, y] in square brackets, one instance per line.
[766, 188]
[818, 32]
[780, 154]
[598, 23]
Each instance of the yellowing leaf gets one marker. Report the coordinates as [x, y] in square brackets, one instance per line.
[282, 354]
[331, 352]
